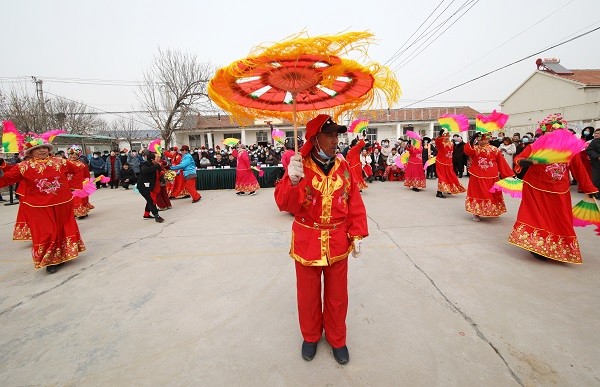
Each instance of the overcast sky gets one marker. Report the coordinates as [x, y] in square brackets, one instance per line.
[115, 40]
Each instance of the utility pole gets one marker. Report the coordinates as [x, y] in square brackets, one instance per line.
[40, 94]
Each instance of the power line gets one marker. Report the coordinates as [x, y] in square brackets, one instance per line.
[505, 66]
[422, 34]
[471, 4]
[509, 40]
[413, 34]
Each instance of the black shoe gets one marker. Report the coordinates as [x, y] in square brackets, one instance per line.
[195, 201]
[53, 269]
[341, 355]
[309, 350]
[82, 217]
[537, 256]
[416, 189]
[158, 219]
[240, 193]
[440, 195]
[148, 217]
[252, 193]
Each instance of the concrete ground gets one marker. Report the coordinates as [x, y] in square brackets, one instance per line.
[208, 297]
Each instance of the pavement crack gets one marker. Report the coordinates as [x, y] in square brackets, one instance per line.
[74, 275]
[456, 309]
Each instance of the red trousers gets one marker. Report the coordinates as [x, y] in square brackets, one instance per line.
[190, 186]
[330, 314]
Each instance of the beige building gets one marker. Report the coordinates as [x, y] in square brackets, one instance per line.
[553, 89]
[391, 124]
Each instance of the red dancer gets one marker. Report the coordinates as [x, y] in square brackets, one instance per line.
[353, 158]
[245, 181]
[176, 188]
[414, 175]
[486, 163]
[447, 179]
[330, 222]
[188, 169]
[54, 231]
[81, 206]
[544, 223]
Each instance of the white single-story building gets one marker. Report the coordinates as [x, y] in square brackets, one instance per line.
[553, 89]
[391, 124]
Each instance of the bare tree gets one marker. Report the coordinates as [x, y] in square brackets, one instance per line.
[126, 129]
[72, 116]
[29, 114]
[24, 110]
[175, 85]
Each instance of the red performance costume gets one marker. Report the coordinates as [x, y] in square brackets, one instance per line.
[176, 188]
[54, 231]
[353, 157]
[81, 206]
[414, 175]
[329, 217]
[447, 179]
[544, 223]
[245, 181]
[486, 163]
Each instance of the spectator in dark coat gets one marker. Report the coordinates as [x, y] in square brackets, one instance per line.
[98, 167]
[126, 176]
[459, 159]
[593, 150]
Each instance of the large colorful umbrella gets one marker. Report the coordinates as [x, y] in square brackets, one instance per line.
[297, 77]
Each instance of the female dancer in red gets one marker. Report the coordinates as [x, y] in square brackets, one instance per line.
[414, 175]
[81, 206]
[447, 180]
[245, 181]
[544, 223]
[353, 159]
[486, 163]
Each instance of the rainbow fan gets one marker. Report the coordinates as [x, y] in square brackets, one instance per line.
[49, 135]
[415, 139]
[155, 147]
[511, 186]
[12, 139]
[278, 135]
[402, 160]
[494, 121]
[586, 213]
[454, 123]
[558, 146]
[358, 126]
[429, 163]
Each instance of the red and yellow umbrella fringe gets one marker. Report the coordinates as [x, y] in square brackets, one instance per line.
[377, 84]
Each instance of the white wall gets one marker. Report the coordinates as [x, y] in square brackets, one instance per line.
[543, 95]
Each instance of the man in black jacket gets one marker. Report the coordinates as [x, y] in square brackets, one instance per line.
[593, 150]
[146, 182]
[459, 159]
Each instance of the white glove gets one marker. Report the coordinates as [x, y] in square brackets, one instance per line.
[295, 169]
[357, 248]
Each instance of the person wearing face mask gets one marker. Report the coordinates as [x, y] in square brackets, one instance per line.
[97, 166]
[330, 223]
[459, 159]
[486, 163]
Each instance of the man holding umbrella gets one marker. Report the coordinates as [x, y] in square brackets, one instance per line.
[330, 223]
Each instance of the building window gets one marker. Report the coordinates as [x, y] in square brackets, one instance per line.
[289, 135]
[237, 135]
[371, 135]
[195, 141]
[261, 136]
